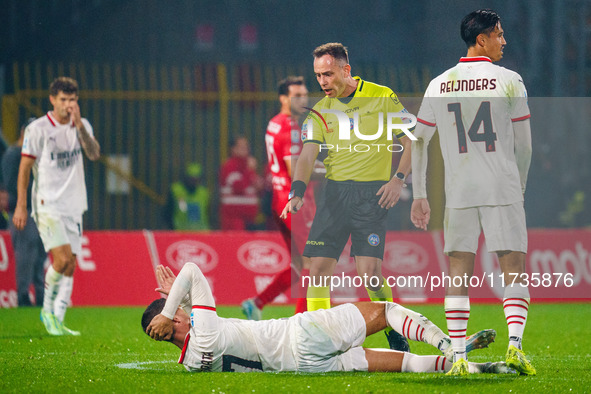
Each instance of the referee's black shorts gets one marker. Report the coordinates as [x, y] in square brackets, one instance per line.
[348, 208]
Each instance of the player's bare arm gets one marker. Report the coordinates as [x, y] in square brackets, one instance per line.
[390, 192]
[523, 149]
[21, 215]
[303, 171]
[88, 142]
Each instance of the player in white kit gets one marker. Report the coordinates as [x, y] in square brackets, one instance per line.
[482, 116]
[52, 148]
[320, 341]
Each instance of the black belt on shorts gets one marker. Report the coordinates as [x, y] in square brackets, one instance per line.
[358, 183]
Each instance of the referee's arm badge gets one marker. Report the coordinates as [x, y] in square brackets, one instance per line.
[305, 130]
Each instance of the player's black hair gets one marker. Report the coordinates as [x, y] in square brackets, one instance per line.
[63, 84]
[478, 22]
[284, 84]
[334, 49]
[155, 308]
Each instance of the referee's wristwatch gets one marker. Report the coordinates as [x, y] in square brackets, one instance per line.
[400, 176]
[290, 195]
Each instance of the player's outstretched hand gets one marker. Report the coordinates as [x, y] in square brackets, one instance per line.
[161, 328]
[293, 205]
[420, 213]
[165, 279]
[390, 193]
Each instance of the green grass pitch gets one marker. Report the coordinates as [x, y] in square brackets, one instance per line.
[113, 355]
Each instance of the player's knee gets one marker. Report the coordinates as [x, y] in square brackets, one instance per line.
[64, 264]
[59, 264]
[69, 271]
[370, 268]
[374, 314]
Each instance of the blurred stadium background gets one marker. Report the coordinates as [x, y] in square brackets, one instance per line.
[166, 83]
[169, 83]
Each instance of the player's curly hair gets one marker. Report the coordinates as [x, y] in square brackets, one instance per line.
[63, 84]
[334, 49]
[155, 308]
[284, 84]
[478, 22]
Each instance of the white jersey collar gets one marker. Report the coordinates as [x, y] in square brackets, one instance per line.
[54, 121]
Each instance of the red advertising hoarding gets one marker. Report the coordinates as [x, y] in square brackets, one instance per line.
[117, 267]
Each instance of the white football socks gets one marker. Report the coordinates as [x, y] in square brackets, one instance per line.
[457, 312]
[414, 363]
[415, 326]
[64, 295]
[516, 305]
[52, 280]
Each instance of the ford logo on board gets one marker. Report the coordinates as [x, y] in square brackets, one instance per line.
[263, 257]
[188, 251]
[405, 257]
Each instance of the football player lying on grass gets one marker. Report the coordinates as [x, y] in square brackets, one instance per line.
[320, 341]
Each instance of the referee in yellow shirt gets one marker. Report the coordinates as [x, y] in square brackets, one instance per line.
[360, 188]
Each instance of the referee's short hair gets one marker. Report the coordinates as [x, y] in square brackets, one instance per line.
[284, 84]
[478, 22]
[334, 49]
[63, 84]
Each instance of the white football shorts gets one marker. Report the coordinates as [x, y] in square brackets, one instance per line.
[503, 226]
[57, 230]
[330, 340]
